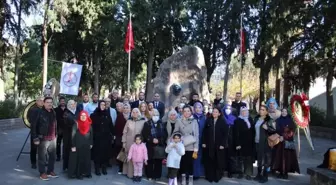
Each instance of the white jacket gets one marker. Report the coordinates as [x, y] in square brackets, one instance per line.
[174, 154]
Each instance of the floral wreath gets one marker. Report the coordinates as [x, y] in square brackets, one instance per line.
[299, 107]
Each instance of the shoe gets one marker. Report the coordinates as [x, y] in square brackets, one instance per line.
[264, 177]
[88, 176]
[80, 177]
[191, 180]
[280, 176]
[229, 175]
[119, 172]
[240, 176]
[58, 159]
[52, 175]
[44, 177]
[248, 177]
[104, 171]
[258, 177]
[135, 178]
[139, 178]
[184, 180]
[97, 172]
[33, 166]
[285, 176]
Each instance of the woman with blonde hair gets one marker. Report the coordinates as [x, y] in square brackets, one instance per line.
[133, 126]
[143, 107]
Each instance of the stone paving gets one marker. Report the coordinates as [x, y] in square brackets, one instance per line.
[17, 173]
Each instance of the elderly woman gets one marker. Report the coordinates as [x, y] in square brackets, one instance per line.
[214, 142]
[144, 111]
[70, 117]
[133, 126]
[154, 135]
[122, 118]
[103, 131]
[285, 160]
[264, 127]
[170, 125]
[200, 117]
[188, 127]
[243, 135]
[120, 107]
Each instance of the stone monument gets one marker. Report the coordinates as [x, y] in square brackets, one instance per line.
[183, 73]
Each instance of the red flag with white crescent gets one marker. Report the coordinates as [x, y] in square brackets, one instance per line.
[129, 41]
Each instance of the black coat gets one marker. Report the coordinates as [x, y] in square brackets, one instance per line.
[263, 146]
[148, 137]
[214, 136]
[60, 118]
[40, 125]
[103, 131]
[244, 137]
[161, 108]
[136, 104]
[236, 107]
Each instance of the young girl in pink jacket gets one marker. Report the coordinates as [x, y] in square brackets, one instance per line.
[138, 155]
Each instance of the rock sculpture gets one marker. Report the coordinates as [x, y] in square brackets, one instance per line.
[183, 73]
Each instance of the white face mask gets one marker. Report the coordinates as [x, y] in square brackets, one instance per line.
[210, 111]
[155, 118]
[227, 111]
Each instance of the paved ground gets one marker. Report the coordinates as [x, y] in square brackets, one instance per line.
[17, 173]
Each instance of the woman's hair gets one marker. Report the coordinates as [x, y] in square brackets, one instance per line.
[147, 114]
[187, 107]
[138, 136]
[219, 110]
[263, 106]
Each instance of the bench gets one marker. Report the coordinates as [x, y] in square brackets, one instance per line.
[321, 176]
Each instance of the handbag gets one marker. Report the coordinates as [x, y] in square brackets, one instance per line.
[289, 145]
[273, 140]
[122, 157]
[189, 139]
[159, 152]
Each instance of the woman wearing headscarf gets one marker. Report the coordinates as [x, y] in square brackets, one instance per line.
[264, 127]
[188, 127]
[285, 159]
[200, 118]
[170, 125]
[81, 144]
[70, 116]
[134, 126]
[243, 137]
[180, 110]
[214, 142]
[144, 111]
[103, 132]
[155, 136]
[273, 111]
[122, 118]
[230, 151]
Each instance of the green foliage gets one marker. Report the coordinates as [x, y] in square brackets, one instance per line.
[8, 110]
[318, 118]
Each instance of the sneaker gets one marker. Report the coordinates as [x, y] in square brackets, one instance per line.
[52, 175]
[58, 159]
[33, 166]
[44, 177]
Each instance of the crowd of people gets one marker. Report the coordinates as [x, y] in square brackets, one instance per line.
[194, 140]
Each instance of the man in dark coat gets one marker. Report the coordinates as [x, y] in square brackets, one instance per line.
[237, 104]
[136, 104]
[160, 106]
[32, 115]
[217, 100]
[60, 124]
[114, 99]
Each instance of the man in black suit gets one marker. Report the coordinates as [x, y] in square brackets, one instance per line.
[237, 104]
[114, 98]
[159, 105]
[136, 104]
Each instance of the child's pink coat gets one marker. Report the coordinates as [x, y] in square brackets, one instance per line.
[138, 153]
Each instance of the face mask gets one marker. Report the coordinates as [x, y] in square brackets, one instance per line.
[155, 118]
[210, 111]
[227, 111]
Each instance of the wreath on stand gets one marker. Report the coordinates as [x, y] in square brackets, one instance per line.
[300, 111]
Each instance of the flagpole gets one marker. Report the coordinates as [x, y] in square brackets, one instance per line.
[129, 59]
[241, 53]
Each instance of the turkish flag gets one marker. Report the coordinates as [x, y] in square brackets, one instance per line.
[129, 41]
[242, 41]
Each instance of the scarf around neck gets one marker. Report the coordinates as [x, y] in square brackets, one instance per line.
[245, 118]
[198, 104]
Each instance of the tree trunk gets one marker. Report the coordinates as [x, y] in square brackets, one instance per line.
[45, 44]
[286, 87]
[17, 56]
[277, 85]
[149, 85]
[96, 71]
[226, 79]
[330, 98]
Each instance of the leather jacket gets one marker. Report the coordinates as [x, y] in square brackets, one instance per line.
[40, 125]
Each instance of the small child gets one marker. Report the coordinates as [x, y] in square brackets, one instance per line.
[175, 151]
[138, 155]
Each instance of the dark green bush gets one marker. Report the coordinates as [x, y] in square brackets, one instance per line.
[8, 110]
[318, 118]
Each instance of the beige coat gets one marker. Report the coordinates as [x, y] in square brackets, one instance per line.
[131, 129]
